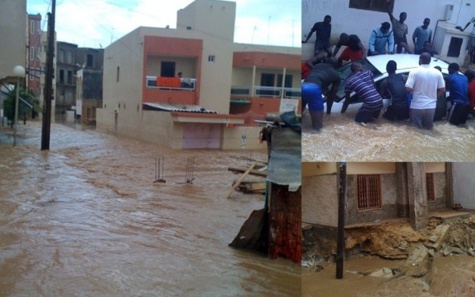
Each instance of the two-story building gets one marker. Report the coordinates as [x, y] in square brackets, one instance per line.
[193, 87]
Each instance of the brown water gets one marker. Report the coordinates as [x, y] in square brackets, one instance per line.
[451, 276]
[342, 139]
[86, 219]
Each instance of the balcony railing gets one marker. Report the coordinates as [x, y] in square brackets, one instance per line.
[186, 84]
[270, 92]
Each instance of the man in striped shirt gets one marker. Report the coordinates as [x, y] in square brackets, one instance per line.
[361, 82]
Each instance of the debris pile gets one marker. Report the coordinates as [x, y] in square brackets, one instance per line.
[396, 240]
[257, 185]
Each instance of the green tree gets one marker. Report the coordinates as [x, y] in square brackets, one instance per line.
[24, 111]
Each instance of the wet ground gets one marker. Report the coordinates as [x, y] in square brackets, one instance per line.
[342, 139]
[86, 219]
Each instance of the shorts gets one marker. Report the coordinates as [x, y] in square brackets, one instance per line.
[312, 96]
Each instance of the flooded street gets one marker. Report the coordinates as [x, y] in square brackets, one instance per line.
[86, 219]
[343, 139]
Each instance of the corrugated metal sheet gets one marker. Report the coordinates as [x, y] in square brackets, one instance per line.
[285, 160]
[179, 107]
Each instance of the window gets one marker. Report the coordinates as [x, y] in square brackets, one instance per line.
[369, 191]
[373, 5]
[267, 79]
[61, 76]
[69, 57]
[90, 60]
[70, 77]
[211, 58]
[32, 27]
[117, 74]
[60, 55]
[167, 69]
[32, 53]
[287, 83]
[430, 187]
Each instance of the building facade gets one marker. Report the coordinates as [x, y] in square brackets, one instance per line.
[376, 191]
[224, 87]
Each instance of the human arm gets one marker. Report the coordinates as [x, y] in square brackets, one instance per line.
[391, 43]
[414, 34]
[314, 29]
[390, 8]
[441, 84]
[410, 83]
[362, 48]
[440, 91]
[337, 48]
[334, 89]
[383, 88]
[372, 41]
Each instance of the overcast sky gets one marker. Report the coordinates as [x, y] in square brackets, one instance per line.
[96, 23]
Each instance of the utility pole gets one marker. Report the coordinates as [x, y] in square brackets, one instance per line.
[340, 250]
[48, 92]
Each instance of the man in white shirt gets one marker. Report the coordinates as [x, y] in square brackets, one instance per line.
[425, 83]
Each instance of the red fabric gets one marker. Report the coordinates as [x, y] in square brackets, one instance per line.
[170, 82]
[471, 95]
[350, 55]
[305, 70]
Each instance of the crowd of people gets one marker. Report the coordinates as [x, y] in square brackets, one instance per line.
[419, 96]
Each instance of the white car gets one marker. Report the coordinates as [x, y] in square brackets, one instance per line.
[377, 65]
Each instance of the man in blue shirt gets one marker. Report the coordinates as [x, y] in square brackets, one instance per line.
[458, 89]
[421, 34]
[379, 38]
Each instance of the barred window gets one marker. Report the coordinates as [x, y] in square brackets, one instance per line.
[373, 5]
[369, 191]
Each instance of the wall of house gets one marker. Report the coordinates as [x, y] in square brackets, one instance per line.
[320, 200]
[13, 20]
[200, 18]
[203, 15]
[122, 88]
[345, 18]
[464, 187]
[440, 190]
[388, 193]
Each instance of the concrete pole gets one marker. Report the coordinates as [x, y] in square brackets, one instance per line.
[17, 96]
[418, 205]
[449, 181]
[402, 201]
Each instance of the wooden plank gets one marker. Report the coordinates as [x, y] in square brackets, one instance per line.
[252, 172]
[238, 182]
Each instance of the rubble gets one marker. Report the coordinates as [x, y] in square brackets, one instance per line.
[397, 240]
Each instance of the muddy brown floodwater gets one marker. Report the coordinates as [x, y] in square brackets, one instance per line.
[342, 139]
[86, 219]
[451, 276]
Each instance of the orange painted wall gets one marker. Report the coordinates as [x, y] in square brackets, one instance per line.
[261, 59]
[177, 47]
